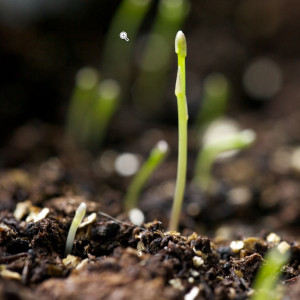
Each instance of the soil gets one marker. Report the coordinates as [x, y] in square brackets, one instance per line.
[114, 259]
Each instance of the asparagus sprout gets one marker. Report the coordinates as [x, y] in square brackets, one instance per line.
[81, 100]
[180, 49]
[209, 153]
[102, 110]
[156, 157]
[116, 54]
[266, 280]
[79, 214]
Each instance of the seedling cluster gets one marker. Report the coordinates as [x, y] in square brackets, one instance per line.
[94, 103]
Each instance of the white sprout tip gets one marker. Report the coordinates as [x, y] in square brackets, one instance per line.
[162, 146]
[180, 44]
[81, 209]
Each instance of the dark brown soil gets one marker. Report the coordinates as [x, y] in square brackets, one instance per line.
[116, 260]
[113, 259]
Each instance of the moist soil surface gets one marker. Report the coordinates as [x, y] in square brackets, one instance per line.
[44, 180]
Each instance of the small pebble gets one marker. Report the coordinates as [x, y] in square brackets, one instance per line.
[198, 261]
[273, 238]
[195, 273]
[176, 284]
[191, 280]
[236, 246]
[283, 247]
[136, 216]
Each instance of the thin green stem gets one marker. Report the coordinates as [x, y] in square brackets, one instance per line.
[268, 276]
[157, 155]
[180, 48]
[209, 153]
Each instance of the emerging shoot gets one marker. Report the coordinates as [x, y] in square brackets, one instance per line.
[79, 214]
[102, 110]
[80, 103]
[267, 278]
[210, 152]
[180, 49]
[116, 54]
[157, 155]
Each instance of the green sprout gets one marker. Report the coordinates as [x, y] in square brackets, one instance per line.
[92, 107]
[101, 111]
[215, 97]
[180, 49]
[79, 214]
[156, 58]
[116, 52]
[156, 157]
[267, 278]
[210, 152]
[81, 100]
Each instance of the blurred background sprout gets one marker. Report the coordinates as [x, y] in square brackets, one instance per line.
[80, 104]
[155, 60]
[211, 150]
[267, 279]
[117, 56]
[156, 157]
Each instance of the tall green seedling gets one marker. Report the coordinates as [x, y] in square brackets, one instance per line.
[181, 50]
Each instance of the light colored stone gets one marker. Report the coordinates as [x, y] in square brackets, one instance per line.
[236, 246]
[198, 261]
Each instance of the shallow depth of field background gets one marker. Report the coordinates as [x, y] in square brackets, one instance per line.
[43, 45]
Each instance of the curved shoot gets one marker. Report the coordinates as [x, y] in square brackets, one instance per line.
[157, 155]
[210, 152]
[79, 214]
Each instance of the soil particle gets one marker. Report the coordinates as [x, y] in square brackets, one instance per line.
[123, 261]
[47, 237]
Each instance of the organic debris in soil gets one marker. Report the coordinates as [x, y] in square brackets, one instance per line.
[113, 259]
